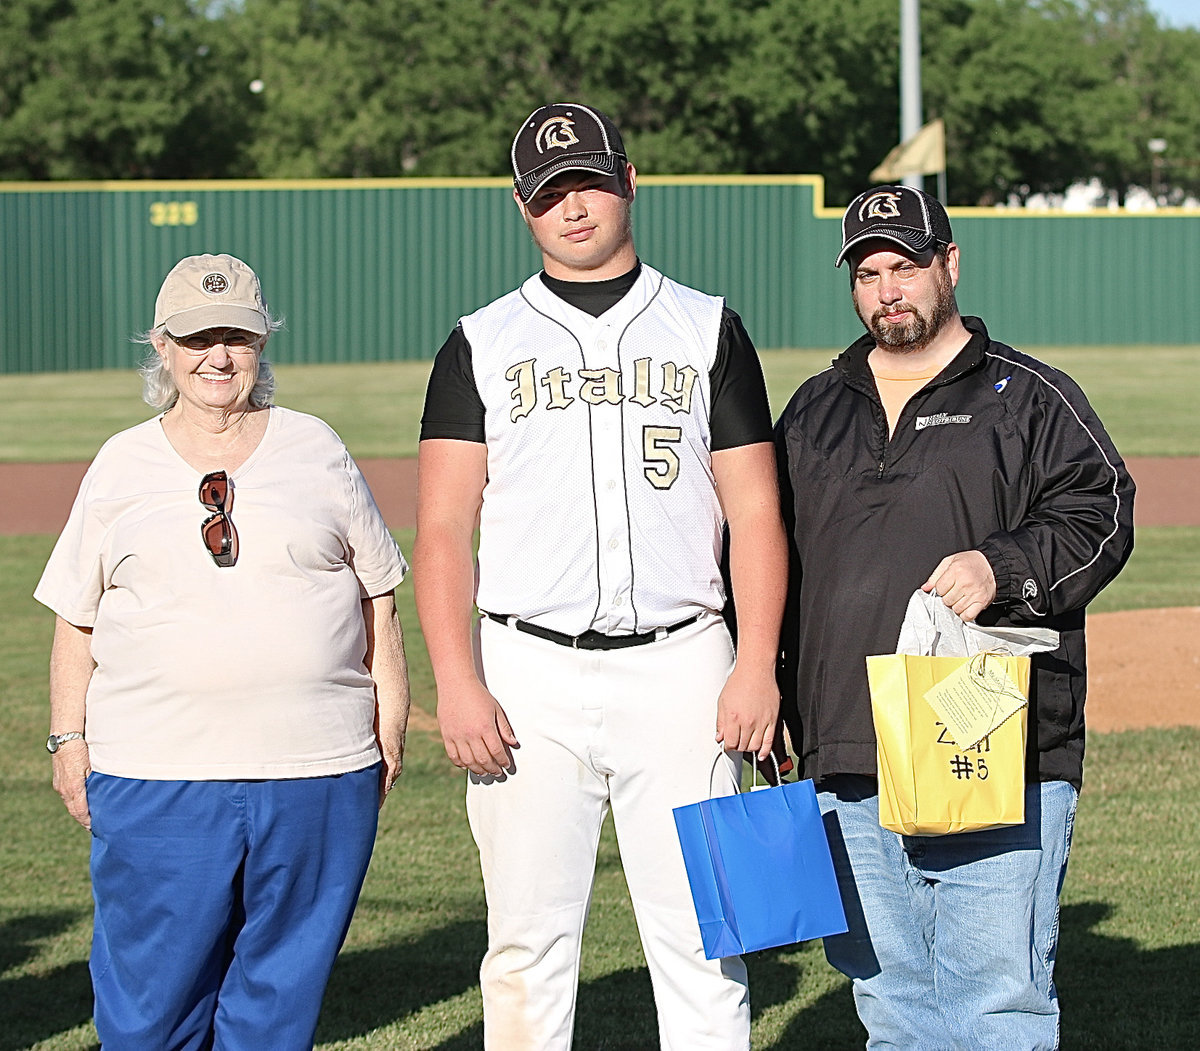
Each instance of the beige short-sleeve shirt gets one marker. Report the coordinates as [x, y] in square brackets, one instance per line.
[211, 673]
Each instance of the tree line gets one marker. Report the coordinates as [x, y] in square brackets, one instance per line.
[1036, 94]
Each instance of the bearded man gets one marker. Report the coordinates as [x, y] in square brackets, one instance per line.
[931, 456]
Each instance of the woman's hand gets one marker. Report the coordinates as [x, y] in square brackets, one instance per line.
[72, 764]
[71, 668]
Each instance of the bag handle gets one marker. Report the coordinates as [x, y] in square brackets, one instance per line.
[737, 785]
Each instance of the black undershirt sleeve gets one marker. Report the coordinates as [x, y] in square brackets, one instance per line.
[453, 408]
[741, 414]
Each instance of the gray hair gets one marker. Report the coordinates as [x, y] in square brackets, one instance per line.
[159, 390]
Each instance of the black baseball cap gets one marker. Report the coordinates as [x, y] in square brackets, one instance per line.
[902, 214]
[561, 137]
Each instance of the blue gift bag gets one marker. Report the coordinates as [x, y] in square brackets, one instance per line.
[760, 869]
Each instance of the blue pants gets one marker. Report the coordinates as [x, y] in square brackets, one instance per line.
[952, 938]
[221, 906]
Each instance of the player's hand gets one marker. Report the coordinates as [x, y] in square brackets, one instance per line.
[748, 710]
[965, 583]
[475, 730]
[72, 763]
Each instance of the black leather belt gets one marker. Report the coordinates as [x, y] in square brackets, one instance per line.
[589, 640]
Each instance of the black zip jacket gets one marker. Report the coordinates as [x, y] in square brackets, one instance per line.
[999, 453]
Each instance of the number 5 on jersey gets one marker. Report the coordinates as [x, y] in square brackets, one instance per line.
[662, 462]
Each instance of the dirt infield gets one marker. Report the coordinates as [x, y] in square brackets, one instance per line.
[1144, 666]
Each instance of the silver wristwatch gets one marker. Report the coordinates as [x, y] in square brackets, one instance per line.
[54, 741]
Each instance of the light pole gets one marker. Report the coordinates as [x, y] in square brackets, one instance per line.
[910, 78]
[1157, 148]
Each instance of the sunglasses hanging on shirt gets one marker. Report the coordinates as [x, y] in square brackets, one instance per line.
[217, 531]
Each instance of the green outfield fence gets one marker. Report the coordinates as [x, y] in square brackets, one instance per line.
[380, 269]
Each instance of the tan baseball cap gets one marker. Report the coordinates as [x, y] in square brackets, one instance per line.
[210, 291]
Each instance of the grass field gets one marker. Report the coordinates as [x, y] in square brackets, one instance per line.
[1143, 394]
[407, 978]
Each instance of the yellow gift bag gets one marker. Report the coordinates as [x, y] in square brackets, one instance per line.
[928, 786]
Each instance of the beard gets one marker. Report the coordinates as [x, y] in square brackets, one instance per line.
[919, 329]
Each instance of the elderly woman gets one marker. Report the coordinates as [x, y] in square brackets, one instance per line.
[228, 688]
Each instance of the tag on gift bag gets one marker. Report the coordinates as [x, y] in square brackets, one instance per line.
[760, 869]
[928, 785]
[976, 698]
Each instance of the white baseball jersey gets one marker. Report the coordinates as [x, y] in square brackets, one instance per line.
[599, 404]
[600, 509]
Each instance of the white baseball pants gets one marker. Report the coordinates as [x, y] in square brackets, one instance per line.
[630, 729]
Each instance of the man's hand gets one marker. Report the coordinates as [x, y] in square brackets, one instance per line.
[475, 730]
[747, 711]
[72, 763]
[965, 583]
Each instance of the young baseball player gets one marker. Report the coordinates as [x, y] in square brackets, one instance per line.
[600, 424]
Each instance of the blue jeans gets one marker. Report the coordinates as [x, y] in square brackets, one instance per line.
[952, 938]
[221, 906]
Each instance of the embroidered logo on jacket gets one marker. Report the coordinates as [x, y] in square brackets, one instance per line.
[940, 418]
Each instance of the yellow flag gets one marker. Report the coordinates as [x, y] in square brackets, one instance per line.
[923, 154]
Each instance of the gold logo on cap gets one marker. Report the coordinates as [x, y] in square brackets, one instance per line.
[215, 284]
[555, 132]
[883, 205]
